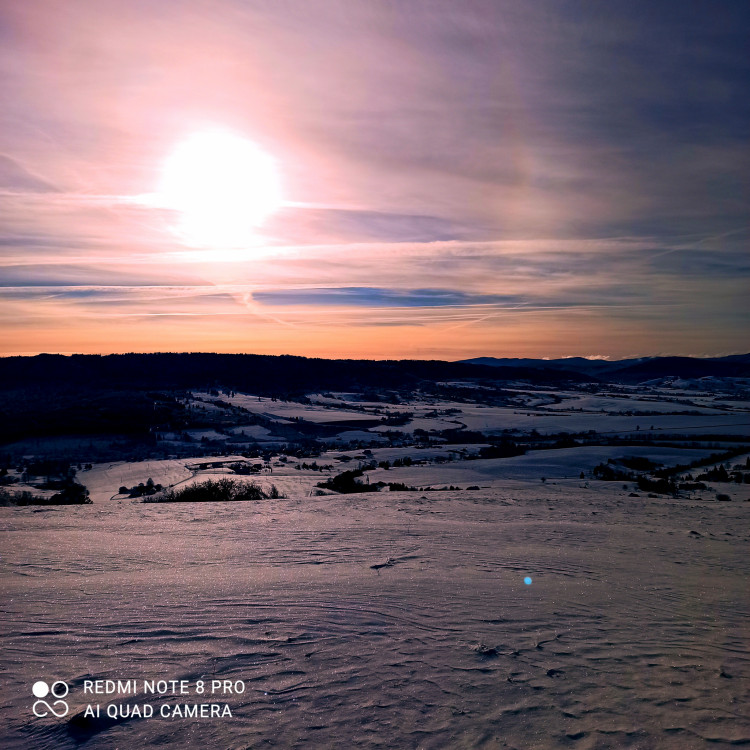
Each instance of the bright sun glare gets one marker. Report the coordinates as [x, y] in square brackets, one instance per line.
[223, 187]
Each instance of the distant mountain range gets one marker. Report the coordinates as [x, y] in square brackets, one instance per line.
[633, 370]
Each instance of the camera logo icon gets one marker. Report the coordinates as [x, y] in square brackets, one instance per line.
[58, 690]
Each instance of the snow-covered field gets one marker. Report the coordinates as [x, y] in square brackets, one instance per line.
[551, 464]
[523, 614]
[104, 480]
[290, 409]
[614, 403]
[247, 421]
[499, 418]
[387, 620]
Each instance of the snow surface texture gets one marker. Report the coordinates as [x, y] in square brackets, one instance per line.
[389, 620]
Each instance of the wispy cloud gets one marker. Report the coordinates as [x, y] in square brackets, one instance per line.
[15, 178]
[378, 297]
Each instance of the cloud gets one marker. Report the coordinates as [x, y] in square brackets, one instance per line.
[14, 177]
[312, 225]
[92, 274]
[580, 174]
[378, 297]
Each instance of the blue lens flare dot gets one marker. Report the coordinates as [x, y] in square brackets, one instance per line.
[527, 580]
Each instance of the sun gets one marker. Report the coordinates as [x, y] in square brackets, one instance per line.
[222, 186]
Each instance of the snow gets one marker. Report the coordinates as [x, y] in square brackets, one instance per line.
[552, 464]
[104, 480]
[387, 620]
[396, 619]
[291, 409]
[500, 418]
[614, 403]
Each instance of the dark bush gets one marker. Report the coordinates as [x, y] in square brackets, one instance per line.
[692, 486]
[74, 494]
[347, 483]
[221, 490]
[639, 463]
[717, 474]
[611, 473]
[140, 489]
[245, 468]
[502, 450]
[662, 486]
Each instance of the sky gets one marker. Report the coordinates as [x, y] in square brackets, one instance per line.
[447, 179]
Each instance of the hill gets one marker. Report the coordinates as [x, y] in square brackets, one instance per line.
[633, 370]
